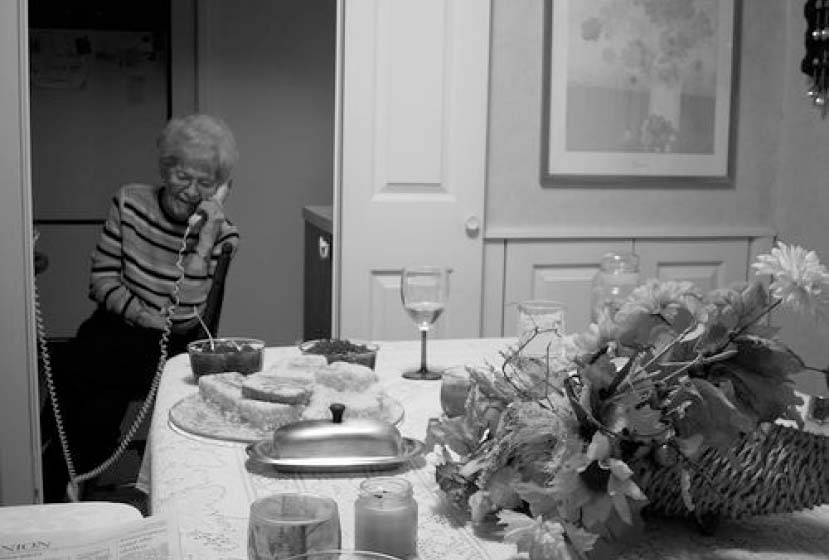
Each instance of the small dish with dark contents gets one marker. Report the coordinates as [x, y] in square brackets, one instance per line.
[342, 350]
[219, 355]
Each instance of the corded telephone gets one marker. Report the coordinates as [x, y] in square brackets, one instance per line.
[72, 489]
[199, 215]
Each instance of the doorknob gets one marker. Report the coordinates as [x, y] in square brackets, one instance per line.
[473, 226]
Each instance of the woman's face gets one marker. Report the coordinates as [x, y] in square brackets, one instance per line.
[185, 186]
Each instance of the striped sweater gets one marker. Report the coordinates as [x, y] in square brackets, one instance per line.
[134, 262]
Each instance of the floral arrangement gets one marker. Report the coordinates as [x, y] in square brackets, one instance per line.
[549, 447]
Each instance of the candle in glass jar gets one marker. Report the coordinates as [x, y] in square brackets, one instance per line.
[454, 388]
[385, 517]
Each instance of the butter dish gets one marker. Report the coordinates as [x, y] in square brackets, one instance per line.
[335, 445]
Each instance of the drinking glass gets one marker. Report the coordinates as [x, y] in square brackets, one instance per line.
[424, 291]
[285, 525]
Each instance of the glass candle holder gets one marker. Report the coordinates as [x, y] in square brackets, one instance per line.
[385, 517]
[540, 327]
[617, 276]
[454, 388]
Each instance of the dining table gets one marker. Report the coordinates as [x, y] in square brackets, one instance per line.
[209, 484]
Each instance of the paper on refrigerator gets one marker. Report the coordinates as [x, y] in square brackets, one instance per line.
[150, 538]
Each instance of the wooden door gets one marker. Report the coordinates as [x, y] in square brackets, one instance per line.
[413, 79]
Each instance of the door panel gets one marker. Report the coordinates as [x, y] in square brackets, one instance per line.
[554, 270]
[414, 77]
[709, 264]
[388, 320]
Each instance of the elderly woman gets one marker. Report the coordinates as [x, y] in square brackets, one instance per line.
[151, 272]
[134, 266]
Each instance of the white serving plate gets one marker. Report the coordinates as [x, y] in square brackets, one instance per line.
[193, 415]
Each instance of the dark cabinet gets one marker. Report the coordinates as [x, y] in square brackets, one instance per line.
[319, 245]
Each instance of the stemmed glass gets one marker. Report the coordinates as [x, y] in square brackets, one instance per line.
[423, 291]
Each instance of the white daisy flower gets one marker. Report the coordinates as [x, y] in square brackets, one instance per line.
[798, 278]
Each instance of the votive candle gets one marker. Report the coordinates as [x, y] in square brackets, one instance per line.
[385, 517]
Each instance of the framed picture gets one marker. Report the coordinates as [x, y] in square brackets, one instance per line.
[640, 88]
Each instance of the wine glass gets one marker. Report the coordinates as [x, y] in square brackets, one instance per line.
[424, 290]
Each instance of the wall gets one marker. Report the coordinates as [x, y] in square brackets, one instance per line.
[780, 173]
[19, 441]
[269, 71]
[519, 204]
[93, 129]
[802, 196]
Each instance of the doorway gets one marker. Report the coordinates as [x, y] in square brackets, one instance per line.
[99, 94]
[267, 68]
[109, 76]
[99, 76]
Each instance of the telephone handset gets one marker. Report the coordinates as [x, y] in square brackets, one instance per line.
[219, 196]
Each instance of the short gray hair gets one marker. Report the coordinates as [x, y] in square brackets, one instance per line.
[198, 139]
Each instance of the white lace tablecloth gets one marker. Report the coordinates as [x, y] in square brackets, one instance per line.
[211, 486]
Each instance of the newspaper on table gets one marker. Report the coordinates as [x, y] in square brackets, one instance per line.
[149, 538]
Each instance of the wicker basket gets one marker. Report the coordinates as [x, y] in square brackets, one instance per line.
[775, 469]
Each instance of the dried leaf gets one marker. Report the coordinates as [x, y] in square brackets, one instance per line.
[541, 499]
[685, 488]
[501, 487]
[582, 540]
[712, 415]
[457, 488]
[760, 374]
[458, 433]
[637, 331]
[690, 446]
[480, 506]
[630, 410]
[600, 372]
[519, 528]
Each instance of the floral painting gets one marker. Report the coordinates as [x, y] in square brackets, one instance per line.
[640, 87]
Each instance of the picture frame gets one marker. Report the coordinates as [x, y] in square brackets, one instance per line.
[638, 90]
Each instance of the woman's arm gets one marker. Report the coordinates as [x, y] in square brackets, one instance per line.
[105, 285]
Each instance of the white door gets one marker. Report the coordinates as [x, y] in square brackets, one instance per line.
[413, 78]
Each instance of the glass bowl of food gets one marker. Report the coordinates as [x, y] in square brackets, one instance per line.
[218, 355]
[342, 350]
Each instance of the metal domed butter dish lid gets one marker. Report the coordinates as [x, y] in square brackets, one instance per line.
[335, 445]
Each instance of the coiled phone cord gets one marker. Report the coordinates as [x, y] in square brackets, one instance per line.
[72, 488]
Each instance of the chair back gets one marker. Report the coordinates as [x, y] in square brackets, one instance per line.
[215, 298]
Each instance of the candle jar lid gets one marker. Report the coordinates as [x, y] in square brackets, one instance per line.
[386, 488]
[619, 263]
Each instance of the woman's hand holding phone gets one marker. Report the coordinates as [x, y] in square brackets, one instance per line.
[203, 212]
[208, 216]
